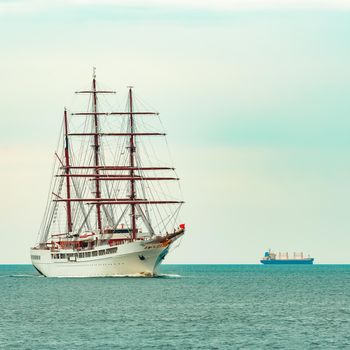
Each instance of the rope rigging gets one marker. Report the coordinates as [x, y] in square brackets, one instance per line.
[88, 154]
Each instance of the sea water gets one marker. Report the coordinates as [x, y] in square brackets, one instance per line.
[188, 307]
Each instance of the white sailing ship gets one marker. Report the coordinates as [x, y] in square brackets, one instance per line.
[111, 209]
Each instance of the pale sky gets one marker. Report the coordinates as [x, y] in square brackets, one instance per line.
[254, 97]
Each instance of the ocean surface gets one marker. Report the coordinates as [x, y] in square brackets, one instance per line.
[189, 307]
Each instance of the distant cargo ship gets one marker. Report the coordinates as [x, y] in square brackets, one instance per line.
[271, 258]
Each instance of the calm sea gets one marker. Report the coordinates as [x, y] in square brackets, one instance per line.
[190, 307]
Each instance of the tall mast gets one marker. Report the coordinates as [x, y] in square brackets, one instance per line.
[67, 171]
[132, 165]
[96, 150]
[96, 145]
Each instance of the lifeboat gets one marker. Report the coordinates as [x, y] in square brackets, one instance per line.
[87, 236]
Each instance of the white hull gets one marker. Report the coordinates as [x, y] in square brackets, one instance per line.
[134, 258]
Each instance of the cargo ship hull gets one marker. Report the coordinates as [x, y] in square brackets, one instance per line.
[308, 261]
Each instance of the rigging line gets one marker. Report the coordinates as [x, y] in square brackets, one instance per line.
[166, 185]
[161, 186]
[144, 194]
[106, 98]
[55, 205]
[82, 207]
[120, 154]
[123, 215]
[84, 153]
[84, 142]
[175, 214]
[104, 187]
[151, 192]
[78, 192]
[145, 218]
[42, 230]
[109, 208]
[107, 185]
[47, 206]
[177, 245]
[146, 223]
[165, 188]
[147, 105]
[117, 186]
[117, 154]
[86, 221]
[145, 126]
[153, 186]
[52, 181]
[171, 157]
[108, 216]
[161, 223]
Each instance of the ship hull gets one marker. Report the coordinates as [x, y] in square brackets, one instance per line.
[288, 262]
[131, 259]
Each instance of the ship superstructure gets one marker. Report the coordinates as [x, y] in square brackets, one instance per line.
[111, 208]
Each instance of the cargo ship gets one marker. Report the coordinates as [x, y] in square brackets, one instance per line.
[271, 258]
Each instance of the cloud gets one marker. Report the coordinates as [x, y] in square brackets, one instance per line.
[22, 7]
[221, 4]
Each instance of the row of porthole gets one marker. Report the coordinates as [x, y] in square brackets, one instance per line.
[153, 246]
[84, 255]
[105, 264]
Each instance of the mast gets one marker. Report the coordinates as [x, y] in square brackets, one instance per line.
[96, 144]
[67, 172]
[96, 148]
[132, 150]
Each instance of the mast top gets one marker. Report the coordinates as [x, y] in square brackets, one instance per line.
[94, 72]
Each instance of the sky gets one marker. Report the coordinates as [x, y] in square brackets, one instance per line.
[254, 97]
